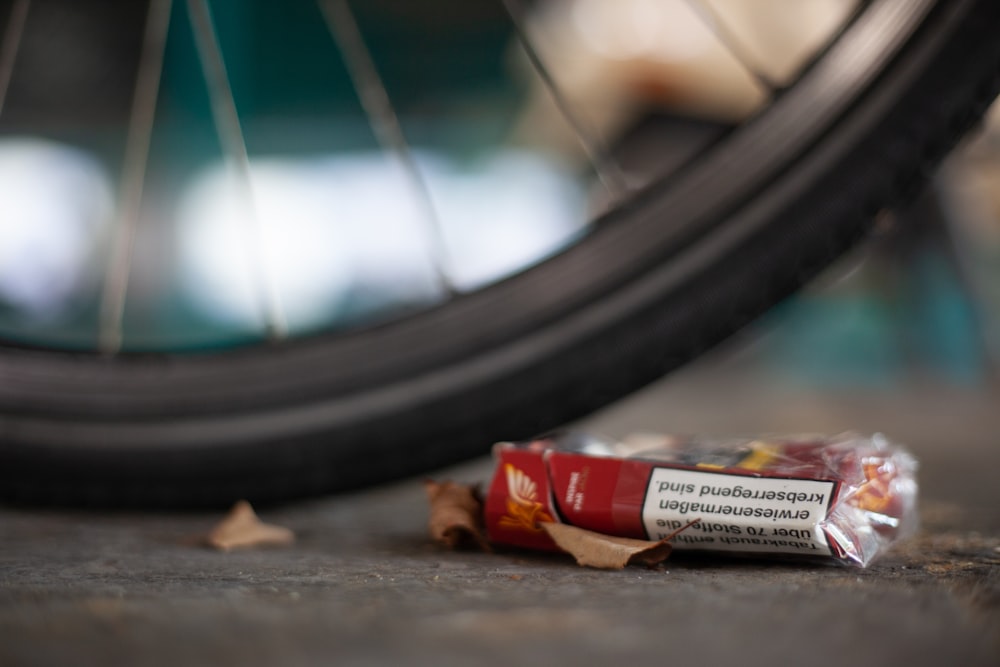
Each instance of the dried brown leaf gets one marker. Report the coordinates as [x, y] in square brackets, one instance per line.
[456, 515]
[242, 528]
[607, 552]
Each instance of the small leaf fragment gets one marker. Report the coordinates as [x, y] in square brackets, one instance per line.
[242, 528]
[456, 515]
[607, 552]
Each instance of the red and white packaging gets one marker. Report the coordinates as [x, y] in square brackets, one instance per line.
[844, 498]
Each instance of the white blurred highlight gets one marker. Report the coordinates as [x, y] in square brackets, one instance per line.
[55, 203]
[346, 232]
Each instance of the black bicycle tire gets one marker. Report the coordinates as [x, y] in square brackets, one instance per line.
[285, 421]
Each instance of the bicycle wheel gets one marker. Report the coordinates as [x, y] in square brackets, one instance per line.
[662, 276]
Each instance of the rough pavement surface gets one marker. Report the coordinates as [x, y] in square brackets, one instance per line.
[364, 585]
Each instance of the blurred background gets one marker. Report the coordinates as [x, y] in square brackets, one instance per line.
[344, 213]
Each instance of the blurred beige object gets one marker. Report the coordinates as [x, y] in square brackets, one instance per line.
[709, 58]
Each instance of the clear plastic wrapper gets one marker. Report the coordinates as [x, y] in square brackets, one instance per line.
[842, 498]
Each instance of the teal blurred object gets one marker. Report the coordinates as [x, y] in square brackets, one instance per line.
[943, 323]
[835, 340]
[897, 312]
[282, 63]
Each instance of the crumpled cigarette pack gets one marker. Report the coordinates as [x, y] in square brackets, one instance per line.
[841, 498]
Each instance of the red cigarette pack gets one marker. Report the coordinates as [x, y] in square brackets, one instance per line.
[843, 498]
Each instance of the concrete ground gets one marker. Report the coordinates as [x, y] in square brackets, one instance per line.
[363, 584]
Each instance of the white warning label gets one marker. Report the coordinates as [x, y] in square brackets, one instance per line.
[738, 513]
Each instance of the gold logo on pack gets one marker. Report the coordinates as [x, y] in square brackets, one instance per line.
[524, 512]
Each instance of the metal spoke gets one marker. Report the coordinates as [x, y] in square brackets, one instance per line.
[385, 123]
[227, 125]
[11, 44]
[137, 143]
[732, 43]
[607, 170]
